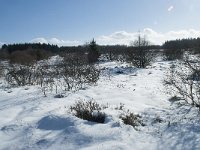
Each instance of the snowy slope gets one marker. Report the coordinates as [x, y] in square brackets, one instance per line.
[28, 120]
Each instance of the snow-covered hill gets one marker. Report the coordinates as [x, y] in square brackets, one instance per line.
[28, 120]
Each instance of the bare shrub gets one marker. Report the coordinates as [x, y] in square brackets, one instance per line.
[21, 57]
[1, 70]
[38, 54]
[45, 74]
[19, 75]
[183, 80]
[91, 74]
[173, 54]
[3, 55]
[70, 73]
[129, 118]
[139, 55]
[76, 71]
[88, 110]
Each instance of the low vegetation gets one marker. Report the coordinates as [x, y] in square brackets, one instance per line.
[70, 72]
[77, 67]
[92, 111]
[88, 110]
[183, 80]
[131, 119]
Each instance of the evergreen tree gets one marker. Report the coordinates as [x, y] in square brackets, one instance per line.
[93, 53]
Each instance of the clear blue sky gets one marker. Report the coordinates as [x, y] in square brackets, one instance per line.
[24, 20]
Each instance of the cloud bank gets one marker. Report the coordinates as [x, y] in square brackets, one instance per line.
[56, 41]
[1, 43]
[124, 38]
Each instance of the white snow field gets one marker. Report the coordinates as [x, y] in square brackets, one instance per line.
[30, 121]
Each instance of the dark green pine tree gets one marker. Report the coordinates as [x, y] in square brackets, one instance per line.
[93, 53]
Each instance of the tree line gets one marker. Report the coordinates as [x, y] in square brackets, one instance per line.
[172, 44]
[31, 52]
[10, 48]
[189, 43]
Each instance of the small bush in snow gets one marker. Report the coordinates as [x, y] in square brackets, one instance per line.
[88, 110]
[131, 119]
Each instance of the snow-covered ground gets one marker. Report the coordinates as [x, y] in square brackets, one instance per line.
[30, 121]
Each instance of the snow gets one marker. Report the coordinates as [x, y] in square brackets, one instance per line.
[28, 120]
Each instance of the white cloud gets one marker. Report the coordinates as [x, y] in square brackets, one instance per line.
[124, 38]
[39, 40]
[1, 43]
[64, 42]
[120, 37]
[170, 8]
[56, 41]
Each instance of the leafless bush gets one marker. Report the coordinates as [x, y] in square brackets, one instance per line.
[129, 118]
[140, 58]
[1, 70]
[173, 54]
[70, 73]
[77, 72]
[3, 55]
[22, 58]
[88, 110]
[19, 75]
[183, 80]
[48, 77]
[139, 55]
[45, 74]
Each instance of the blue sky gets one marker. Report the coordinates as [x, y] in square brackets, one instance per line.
[73, 22]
